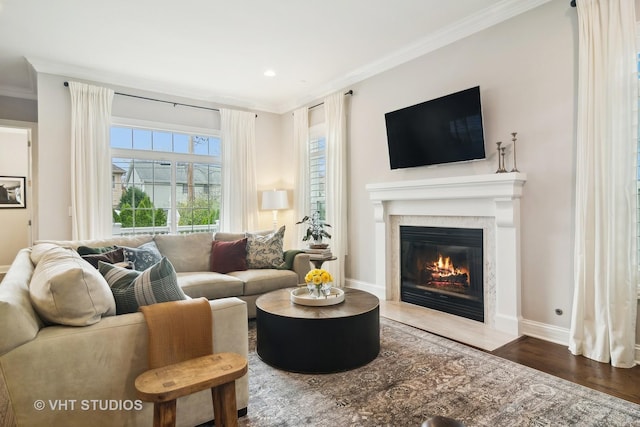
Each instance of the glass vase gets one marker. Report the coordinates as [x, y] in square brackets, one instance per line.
[319, 291]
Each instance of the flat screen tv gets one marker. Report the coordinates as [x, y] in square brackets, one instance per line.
[443, 130]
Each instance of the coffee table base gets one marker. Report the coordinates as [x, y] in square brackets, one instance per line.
[318, 345]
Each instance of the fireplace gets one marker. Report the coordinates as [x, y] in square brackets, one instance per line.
[441, 269]
[488, 202]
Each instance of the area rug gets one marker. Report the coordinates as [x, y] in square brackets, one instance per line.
[418, 375]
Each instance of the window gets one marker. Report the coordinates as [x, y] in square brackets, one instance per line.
[166, 181]
[317, 171]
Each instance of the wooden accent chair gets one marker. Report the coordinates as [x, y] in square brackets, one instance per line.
[182, 362]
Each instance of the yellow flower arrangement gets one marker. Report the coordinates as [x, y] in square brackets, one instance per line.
[320, 280]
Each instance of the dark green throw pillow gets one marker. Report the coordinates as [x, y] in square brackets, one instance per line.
[86, 250]
[111, 257]
[132, 289]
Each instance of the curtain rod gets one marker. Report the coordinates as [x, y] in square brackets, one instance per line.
[349, 92]
[160, 100]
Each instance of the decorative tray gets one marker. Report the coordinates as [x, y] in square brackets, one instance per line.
[301, 296]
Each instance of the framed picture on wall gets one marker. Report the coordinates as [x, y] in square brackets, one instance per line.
[13, 192]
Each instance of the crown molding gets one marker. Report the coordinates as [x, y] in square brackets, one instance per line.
[74, 71]
[28, 92]
[472, 24]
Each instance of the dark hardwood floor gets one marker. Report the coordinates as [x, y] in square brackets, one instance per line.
[556, 359]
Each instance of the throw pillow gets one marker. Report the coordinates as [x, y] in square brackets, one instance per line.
[265, 251]
[229, 256]
[142, 257]
[87, 250]
[132, 289]
[66, 290]
[111, 257]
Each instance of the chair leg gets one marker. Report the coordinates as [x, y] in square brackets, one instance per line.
[225, 410]
[164, 414]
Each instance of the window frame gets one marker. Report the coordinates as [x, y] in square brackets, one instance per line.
[316, 132]
[168, 156]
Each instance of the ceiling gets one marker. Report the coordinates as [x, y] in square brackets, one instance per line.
[218, 50]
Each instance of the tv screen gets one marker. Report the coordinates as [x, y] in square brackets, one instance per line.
[443, 130]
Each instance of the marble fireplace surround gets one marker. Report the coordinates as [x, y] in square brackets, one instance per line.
[490, 202]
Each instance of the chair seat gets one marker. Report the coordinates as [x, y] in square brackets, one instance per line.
[190, 376]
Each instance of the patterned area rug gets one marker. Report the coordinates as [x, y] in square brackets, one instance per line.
[418, 375]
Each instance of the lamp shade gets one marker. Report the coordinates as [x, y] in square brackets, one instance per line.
[275, 200]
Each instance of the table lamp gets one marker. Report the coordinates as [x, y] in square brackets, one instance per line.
[275, 200]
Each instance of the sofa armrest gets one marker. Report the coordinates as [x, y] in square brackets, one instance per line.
[301, 266]
[101, 362]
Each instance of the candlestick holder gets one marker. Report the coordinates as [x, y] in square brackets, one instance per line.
[515, 167]
[499, 143]
[501, 168]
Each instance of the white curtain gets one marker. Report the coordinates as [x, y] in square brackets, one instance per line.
[301, 157]
[336, 127]
[91, 192]
[605, 265]
[240, 192]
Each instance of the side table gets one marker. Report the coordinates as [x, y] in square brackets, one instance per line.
[317, 262]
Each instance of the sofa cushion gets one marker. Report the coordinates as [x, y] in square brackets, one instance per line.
[265, 280]
[229, 237]
[67, 290]
[112, 257]
[187, 252]
[210, 285]
[265, 251]
[143, 256]
[15, 304]
[229, 256]
[132, 289]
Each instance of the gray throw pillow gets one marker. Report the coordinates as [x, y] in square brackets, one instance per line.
[142, 257]
[132, 289]
[265, 251]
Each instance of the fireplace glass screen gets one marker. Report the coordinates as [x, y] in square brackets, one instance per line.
[441, 269]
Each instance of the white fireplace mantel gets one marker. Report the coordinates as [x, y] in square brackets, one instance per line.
[495, 196]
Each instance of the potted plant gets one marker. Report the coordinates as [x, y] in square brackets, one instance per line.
[315, 230]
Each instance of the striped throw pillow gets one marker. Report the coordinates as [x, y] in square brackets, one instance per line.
[132, 289]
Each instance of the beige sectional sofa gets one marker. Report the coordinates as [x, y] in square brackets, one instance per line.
[60, 375]
[190, 255]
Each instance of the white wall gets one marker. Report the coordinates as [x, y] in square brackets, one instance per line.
[526, 69]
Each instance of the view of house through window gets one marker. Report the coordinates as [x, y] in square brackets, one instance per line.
[164, 181]
[317, 172]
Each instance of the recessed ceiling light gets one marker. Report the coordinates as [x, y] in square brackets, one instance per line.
[270, 73]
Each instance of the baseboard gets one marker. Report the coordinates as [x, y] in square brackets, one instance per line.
[545, 332]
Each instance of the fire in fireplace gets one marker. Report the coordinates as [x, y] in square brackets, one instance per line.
[441, 268]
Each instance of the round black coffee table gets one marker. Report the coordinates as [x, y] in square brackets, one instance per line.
[304, 339]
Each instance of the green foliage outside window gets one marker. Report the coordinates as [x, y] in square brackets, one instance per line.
[143, 215]
[199, 212]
